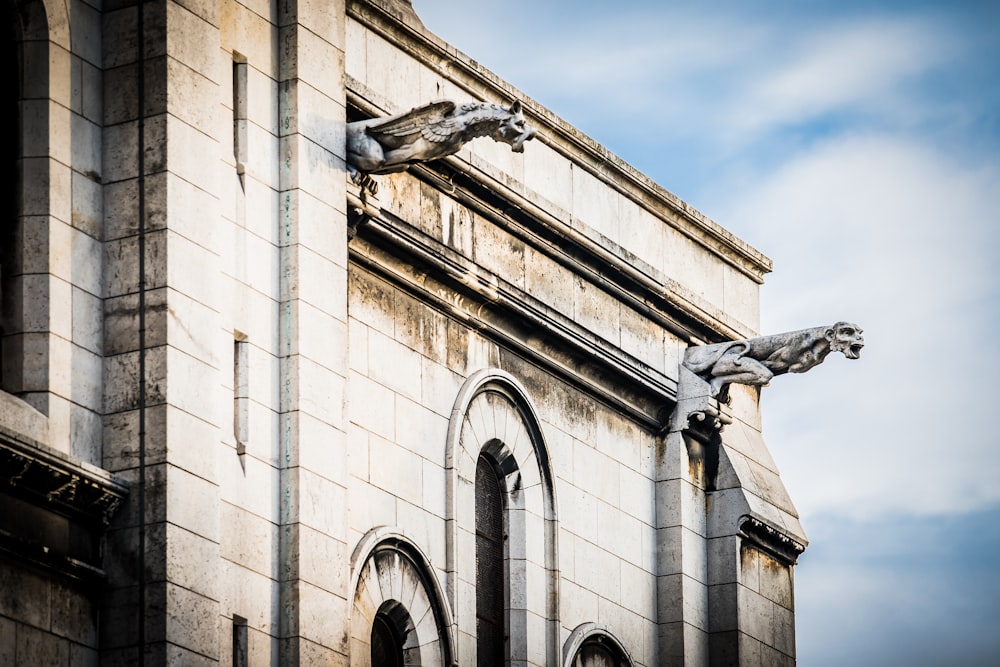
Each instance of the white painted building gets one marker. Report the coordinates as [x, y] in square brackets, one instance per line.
[250, 419]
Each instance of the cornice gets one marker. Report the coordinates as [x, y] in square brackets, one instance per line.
[771, 540]
[457, 287]
[53, 480]
[625, 277]
[404, 30]
[59, 508]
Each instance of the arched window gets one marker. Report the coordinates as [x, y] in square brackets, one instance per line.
[593, 645]
[399, 617]
[390, 628]
[502, 526]
[10, 268]
[490, 569]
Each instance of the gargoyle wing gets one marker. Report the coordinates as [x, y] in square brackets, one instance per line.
[429, 121]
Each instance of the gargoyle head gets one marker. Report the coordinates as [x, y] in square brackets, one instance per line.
[514, 130]
[846, 337]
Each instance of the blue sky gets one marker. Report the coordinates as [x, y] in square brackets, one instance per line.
[857, 144]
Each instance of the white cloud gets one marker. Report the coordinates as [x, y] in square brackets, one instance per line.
[904, 241]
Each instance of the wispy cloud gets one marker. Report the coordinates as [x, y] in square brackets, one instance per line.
[857, 144]
[903, 240]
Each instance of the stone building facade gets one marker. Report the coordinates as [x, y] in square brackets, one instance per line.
[255, 413]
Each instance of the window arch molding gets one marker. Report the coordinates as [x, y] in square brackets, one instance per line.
[590, 634]
[493, 414]
[44, 155]
[392, 577]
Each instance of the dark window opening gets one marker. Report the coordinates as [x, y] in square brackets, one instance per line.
[387, 645]
[10, 242]
[490, 574]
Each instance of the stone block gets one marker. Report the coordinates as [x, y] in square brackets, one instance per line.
[637, 496]
[680, 503]
[190, 620]
[120, 147]
[86, 145]
[358, 460]
[372, 300]
[323, 561]
[263, 165]
[421, 329]
[498, 251]
[322, 617]
[8, 641]
[25, 597]
[325, 124]
[357, 347]
[548, 172]
[597, 570]
[248, 540]
[322, 449]
[597, 311]
[439, 387]
[178, 655]
[641, 234]
[619, 533]
[323, 338]
[370, 506]
[775, 581]
[372, 406]
[396, 470]
[639, 591]
[85, 434]
[391, 73]
[578, 511]
[37, 647]
[320, 223]
[643, 339]
[418, 429]
[434, 500]
[756, 616]
[262, 90]
[723, 559]
[91, 102]
[595, 206]
[596, 472]
[322, 504]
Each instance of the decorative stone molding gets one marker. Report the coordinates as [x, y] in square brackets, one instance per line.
[389, 571]
[440, 128]
[588, 634]
[494, 413]
[769, 539]
[55, 509]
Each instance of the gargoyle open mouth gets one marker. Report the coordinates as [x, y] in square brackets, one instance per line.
[854, 350]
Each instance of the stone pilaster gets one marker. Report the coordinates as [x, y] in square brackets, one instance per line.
[313, 232]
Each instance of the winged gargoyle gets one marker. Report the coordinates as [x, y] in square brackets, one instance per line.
[393, 143]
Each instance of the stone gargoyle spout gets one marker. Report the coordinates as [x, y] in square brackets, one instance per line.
[756, 360]
[441, 128]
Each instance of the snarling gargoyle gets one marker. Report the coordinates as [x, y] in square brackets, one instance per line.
[756, 360]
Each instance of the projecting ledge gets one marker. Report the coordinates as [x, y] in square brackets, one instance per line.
[54, 509]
